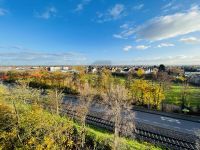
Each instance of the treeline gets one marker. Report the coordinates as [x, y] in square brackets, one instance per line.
[148, 93]
[140, 92]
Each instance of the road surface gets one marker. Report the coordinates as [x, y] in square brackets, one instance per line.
[180, 125]
[168, 122]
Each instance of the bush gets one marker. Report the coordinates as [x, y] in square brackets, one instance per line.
[28, 126]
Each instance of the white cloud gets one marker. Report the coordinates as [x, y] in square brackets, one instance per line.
[124, 26]
[165, 45]
[126, 33]
[169, 60]
[116, 12]
[167, 5]
[3, 11]
[128, 30]
[172, 6]
[142, 47]
[190, 40]
[48, 13]
[127, 48]
[118, 36]
[81, 5]
[18, 55]
[168, 26]
[138, 7]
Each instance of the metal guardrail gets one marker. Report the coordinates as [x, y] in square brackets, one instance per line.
[175, 140]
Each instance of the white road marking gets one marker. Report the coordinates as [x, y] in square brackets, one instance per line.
[145, 120]
[177, 127]
[170, 119]
[166, 125]
[189, 130]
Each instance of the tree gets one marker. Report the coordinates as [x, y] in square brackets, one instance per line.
[58, 79]
[33, 128]
[161, 68]
[54, 99]
[164, 80]
[138, 89]
[12, 76]
[86, 98]
[181, 79]
[157, 95]
[76, 79]
[129, 80]
[146, 93]
[140, 72]
[185, 92]
[104, 78]
[45, 131]
[116, 100]
[19, 93]
[23, 93]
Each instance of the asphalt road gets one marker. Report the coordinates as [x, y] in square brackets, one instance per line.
[168, 122]
[180, 125]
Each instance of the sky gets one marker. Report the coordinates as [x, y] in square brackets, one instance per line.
[84, 32]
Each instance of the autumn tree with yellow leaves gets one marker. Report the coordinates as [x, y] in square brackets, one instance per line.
[147, 93]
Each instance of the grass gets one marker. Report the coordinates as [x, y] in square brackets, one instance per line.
[125, 144]
[173, 96]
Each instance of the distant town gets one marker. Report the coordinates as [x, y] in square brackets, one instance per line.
[191, 72]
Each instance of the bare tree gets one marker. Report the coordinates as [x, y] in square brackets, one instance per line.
[185, 92]
[86, 97]
[164, 80]
[55, 98]
[116, 98]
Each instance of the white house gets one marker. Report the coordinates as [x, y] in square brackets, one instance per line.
[55, 68]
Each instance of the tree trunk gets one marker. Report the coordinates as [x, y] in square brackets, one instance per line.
[116, 138]
[57, 105]
[117, 128]
[83, 133]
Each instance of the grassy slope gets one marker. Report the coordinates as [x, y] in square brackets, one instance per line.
[99, 135]
[127, 144]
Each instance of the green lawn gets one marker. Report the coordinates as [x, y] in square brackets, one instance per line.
[173, 96]
[106, 138]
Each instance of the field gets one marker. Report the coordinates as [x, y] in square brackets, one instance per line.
[173, 96]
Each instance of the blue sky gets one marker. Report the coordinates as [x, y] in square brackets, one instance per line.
[78, 32]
